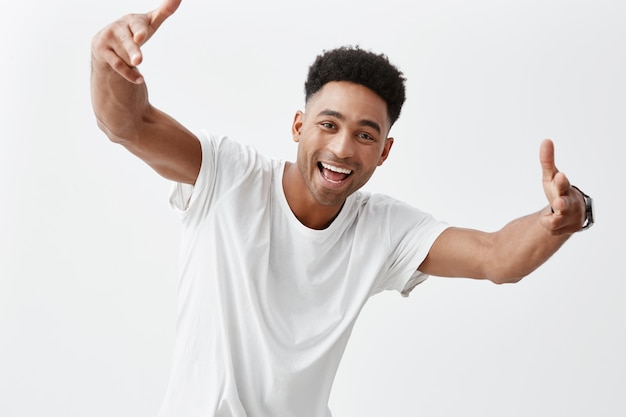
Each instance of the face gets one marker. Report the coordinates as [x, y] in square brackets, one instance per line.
[342, 139]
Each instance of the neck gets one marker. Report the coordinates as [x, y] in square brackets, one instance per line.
[307, 210]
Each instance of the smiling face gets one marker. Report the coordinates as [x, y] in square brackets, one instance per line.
[342, 139]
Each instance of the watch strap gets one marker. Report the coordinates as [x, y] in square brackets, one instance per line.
[588, 210]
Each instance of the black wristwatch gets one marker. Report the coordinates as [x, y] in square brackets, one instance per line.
[588, 210]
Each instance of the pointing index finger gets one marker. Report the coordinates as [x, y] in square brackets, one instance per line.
[165, 10]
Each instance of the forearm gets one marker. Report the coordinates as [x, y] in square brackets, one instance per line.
[125, 115]
[520, 247]
[120, 98]
[509, 254]
[121, 107]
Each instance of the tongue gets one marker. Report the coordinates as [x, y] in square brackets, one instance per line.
[333, 176]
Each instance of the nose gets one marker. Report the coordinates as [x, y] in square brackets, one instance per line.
[342, 145]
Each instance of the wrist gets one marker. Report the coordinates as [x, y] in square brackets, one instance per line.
[587, 202]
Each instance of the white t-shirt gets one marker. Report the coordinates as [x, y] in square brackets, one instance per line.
[266, 305]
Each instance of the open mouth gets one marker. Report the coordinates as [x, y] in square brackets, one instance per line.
[333, 173]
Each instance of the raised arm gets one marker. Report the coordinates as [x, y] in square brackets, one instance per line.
[522, 245]
[120, 98]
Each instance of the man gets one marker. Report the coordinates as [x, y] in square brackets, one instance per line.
[278, 258]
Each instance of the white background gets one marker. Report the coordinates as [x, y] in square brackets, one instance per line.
[88, 244]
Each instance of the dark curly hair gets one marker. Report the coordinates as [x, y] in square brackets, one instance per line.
[371, 70]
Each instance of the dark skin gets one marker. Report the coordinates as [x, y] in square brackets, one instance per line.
[342, 138]
[341, 141]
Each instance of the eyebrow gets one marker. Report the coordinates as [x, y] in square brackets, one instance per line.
[362, 122]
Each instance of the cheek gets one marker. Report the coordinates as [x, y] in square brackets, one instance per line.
[383, 154]
[306, 146]
[302, 155]
[374, 158]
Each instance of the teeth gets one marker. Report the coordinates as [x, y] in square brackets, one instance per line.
[336, 169]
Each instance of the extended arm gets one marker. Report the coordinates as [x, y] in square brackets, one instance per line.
[522, 245]
[120, 98]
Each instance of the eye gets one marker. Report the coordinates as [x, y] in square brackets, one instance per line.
[327, 125]
[366, 136]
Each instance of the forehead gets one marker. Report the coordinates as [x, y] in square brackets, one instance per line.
[353, 101]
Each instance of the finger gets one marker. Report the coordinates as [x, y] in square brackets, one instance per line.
[554, 224]
[557, 206]
[561, 184]
[161, 13]
[559, 222]
[546, 157]
[139, 27]
[128, 49]
[555, 220]
[122, 42]
[115, 47]
[130, 73]
[557, 189]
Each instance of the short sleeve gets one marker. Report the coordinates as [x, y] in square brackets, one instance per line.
[410, 235]
[417, 277]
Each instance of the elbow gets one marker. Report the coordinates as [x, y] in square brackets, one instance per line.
[105, 129]
[123, 127]
[506, 275]
[116, 135]
[504, 270]
[506, 279]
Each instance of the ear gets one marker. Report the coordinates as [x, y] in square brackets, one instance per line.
[386, 150]
[296, 126]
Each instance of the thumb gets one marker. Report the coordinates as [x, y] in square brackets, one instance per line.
[546, 157]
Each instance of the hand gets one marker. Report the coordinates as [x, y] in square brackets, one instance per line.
[119, 44]
[567, 205]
